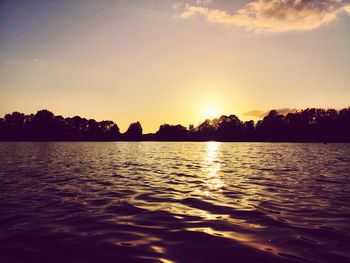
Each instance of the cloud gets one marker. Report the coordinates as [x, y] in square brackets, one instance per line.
[274, 15]
[199, 2]
[255, 113]
[347, 9]
[261, 114]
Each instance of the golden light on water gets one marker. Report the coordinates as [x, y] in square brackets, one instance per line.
[214, 181]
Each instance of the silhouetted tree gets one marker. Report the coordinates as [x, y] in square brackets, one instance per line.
[207, 130]
[343, 125]
[42, 126]
[229, 128]
[2, 124]
[168, 132]
[249, 131]
[309, 125]
[13, 125]
[272, 127]
[134, 132]
[115, 130]
[93, 131]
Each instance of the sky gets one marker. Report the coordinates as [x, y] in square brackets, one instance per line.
[173, 61]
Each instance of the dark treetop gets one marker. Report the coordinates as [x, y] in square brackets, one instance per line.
[309, 125]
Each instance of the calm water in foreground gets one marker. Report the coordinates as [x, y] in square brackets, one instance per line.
[174, 202]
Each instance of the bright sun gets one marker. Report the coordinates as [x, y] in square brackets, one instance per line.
[211, 112]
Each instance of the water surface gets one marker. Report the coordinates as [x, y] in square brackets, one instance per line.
[174, 202]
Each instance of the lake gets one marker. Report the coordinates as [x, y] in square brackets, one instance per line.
[174, 202]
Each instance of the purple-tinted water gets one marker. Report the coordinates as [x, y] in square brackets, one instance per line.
[174, 202]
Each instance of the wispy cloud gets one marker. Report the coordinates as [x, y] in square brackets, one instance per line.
[261, 114]
[274, 15]
[199, 2]
[347, 9]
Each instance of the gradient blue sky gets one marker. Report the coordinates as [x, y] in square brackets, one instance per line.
[167, 60]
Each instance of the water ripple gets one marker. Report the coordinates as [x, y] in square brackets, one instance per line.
[174, 202]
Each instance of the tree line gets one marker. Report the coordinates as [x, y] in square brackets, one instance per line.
[309, 125]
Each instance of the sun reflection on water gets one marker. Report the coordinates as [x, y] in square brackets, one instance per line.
[212, 167]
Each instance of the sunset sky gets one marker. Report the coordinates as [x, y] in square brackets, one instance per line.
[173, 61]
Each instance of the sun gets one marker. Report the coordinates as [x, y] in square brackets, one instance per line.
[211, 112]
